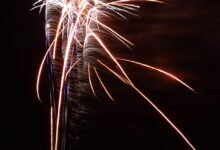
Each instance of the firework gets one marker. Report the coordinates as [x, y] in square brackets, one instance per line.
[80, 23]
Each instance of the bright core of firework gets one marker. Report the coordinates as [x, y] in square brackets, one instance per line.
[83, 16]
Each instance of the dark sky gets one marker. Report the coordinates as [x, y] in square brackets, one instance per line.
[182, 37]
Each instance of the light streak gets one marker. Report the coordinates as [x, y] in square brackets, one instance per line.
[159, 70]
[69, 42]
[51, 128]
[58, 29]
[118, 36]
[153, 105]
[41, 68]
[39, 74]
[110, 54]
[116, 74]
[103, 86]
[90, 81]
[68, 72]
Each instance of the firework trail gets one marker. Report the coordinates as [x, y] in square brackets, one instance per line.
[74, 33]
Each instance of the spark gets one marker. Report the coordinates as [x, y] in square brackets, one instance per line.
[110, 54]
[159, 70]
[152, 104]
[41, 68]
[116, 74]
[164, 116]
[69, 43]
[47, 25]
[39, 74]
[90, 81]
[58, 29]
[68, 72]
[117, 35]
[105, 89]
[51, 128]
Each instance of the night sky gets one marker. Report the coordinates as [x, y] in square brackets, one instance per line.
[182, 37]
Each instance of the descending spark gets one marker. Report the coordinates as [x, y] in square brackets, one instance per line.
[117, 35]
[51, 128]
[110, 54]
[159, 70]
[164, 116]
[39, 74]
[103, 86]
[69, 43]
[58, 29]
[68, 72]
[116, 74]
[41, 67]
[152, 104]
[90, 81]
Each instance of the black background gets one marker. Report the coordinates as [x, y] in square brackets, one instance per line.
[182, 37]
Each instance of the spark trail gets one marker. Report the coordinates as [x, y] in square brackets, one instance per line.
[80, 24]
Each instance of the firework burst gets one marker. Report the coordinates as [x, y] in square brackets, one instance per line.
[79, 22]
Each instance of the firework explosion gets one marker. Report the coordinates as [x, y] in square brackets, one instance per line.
[80, 23]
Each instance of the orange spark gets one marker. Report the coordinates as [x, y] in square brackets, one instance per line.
[154, 106]
[105, 89]
[67, 73]
[90, 81]
[159, 70]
